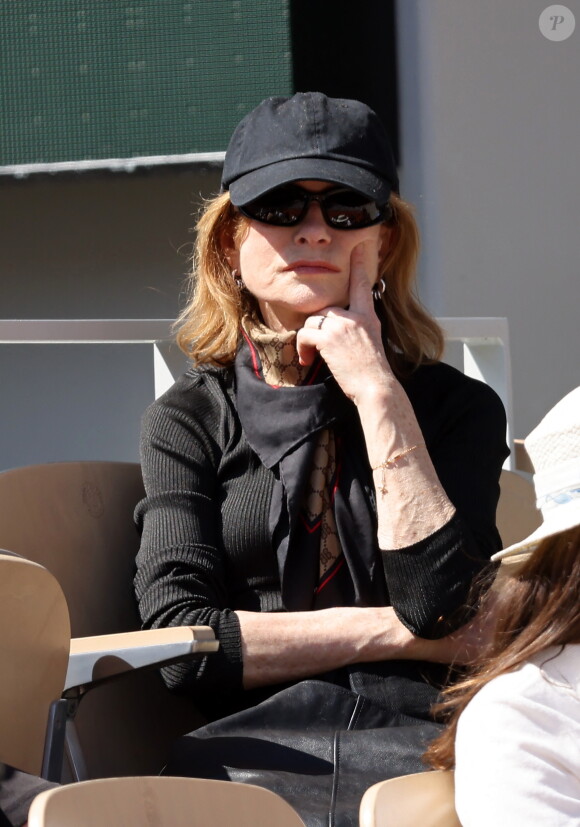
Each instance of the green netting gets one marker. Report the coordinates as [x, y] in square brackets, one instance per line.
[106, 79]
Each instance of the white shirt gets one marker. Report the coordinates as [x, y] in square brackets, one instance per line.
[518, 747]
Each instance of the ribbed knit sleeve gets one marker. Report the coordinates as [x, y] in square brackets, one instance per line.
[182, 570]
[464, 425]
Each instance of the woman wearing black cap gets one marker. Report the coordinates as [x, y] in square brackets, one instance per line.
[321, 490]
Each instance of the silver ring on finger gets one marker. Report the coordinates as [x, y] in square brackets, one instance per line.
[321, 322]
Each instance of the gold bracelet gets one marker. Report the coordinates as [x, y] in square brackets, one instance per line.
[391, 463]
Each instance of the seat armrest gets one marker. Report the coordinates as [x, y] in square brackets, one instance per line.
[99, 658]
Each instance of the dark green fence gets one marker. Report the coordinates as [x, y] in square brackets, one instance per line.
[106, 79]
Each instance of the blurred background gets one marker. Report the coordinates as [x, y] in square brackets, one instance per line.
[114, 121]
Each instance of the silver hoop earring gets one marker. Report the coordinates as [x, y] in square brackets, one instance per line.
[238, 279]
[378, 289]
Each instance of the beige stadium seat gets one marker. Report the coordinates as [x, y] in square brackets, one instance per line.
[517, 515]
[523, 461]
[76, 520]
[34, 648]
[424, 799]
[161, 802]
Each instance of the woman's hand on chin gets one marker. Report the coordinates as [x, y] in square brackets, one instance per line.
[350, 340]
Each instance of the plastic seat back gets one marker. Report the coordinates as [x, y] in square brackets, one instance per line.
[161, 802]
[34, 649]
[424, 799]
[76, 519]
[517, 515]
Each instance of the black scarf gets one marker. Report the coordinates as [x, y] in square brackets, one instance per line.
[281, 425]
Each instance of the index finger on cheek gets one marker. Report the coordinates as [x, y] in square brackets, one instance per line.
[363, 274]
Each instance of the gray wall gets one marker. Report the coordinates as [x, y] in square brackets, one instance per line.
[491, 127]
[89, 246]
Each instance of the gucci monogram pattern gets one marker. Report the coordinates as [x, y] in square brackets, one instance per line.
[278, 354]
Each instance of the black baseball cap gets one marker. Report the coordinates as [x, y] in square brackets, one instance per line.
[309, 136]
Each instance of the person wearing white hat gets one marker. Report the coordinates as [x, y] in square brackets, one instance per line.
[514, 729]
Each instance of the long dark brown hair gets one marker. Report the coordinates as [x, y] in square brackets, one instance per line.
[535, 607]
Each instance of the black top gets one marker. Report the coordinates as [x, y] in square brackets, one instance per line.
[17, 792]
[206, 546]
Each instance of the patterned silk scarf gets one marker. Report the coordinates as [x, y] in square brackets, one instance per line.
[275, 363]
[282, 369]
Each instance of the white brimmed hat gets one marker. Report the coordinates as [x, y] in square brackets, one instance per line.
[554, 448]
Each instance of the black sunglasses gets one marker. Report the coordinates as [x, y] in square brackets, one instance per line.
[342, 208]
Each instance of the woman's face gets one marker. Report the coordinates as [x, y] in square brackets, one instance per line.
[297, 271]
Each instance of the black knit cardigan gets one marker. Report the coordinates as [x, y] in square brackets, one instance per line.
[206, 550]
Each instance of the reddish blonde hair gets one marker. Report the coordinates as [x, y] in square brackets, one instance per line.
[208, 329]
